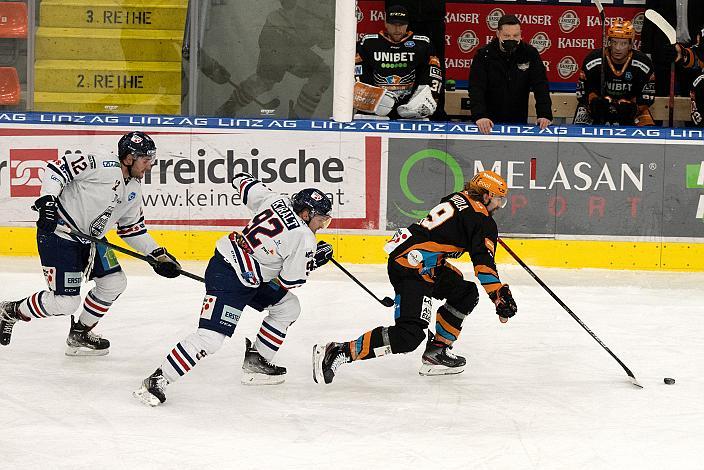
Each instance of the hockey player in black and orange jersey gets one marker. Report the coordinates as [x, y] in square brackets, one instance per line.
[419, 271]
[629, 82]
[397, 72]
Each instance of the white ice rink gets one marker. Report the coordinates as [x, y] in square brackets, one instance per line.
[539, 392]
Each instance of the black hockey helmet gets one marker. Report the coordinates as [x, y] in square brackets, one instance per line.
[312, 199]
[137, 143]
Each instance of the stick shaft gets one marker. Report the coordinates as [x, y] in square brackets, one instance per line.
[357, 281]
[131, 253]
[564, 306]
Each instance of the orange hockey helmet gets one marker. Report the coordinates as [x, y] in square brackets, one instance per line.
[489, 182]
[622, 30]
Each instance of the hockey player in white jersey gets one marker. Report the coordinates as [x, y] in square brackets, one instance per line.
[88, 194]
[256, 267]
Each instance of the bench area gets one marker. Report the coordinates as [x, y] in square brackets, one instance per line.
[564, 105]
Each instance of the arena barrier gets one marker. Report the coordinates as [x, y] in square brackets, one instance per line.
[603, 197]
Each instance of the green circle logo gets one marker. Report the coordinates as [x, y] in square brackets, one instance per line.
[436, 154]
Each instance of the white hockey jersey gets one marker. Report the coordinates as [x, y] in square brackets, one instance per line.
[276, 244]
[94, 196]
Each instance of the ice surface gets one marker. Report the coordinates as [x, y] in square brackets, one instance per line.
[539, 392]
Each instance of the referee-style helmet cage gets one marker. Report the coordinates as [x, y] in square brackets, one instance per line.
[137, 143]
[314, 200]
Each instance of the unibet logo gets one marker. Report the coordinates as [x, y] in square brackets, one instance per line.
[695, 180]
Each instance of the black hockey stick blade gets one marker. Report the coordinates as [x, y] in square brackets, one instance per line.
[131, 253]
[535, 277]
[386, 301]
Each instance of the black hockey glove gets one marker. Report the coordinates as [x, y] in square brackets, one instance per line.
[626, 112]
[164, 263]
[505, 305]
[323, 254]
[48, 207]
[599, 109]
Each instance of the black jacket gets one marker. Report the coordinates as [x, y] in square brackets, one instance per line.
[499, 84]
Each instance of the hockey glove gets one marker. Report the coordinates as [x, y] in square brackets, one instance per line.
[48, 207]
[599, 109]
[164, 263]
[505, 305]
[626, 111]
[323, 254]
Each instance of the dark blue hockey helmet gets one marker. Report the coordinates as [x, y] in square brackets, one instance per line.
[137, 143]
[314, 200]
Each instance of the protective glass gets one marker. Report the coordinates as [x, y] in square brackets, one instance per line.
[150, 156]
[325, 220]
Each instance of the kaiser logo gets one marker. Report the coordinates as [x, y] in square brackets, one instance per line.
[567, 67]
[467, 41]
[638, 22]
[540, 41]
[568, 21]
[359, 14]
[26, 170]
[492, 19]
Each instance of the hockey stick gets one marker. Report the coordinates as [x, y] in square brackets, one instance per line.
[667, 29]
[131, 253]
[568, 310]
[602, 17]
[386, 301]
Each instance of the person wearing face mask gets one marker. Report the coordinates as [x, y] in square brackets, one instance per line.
[628, 88]
[419, 270]
[503, 74]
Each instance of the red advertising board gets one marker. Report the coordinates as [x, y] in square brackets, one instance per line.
[563, 34]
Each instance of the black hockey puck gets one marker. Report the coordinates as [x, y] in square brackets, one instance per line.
[669, 381]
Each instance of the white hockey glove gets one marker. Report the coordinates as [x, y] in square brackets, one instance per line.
[373, 99]
[421, 105]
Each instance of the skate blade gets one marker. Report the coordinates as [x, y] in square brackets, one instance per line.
[145, 397]
[81, 351]
[254, 378]
[436, 369]
[318, 353]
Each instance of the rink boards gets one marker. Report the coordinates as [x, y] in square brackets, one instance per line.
[623, 198]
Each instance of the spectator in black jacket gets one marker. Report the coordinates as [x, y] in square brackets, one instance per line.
[501, 77]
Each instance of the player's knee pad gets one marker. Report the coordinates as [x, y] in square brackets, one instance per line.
[207, 340]
[464, 302]
[406, 336]
[287, 310]
[110, 287]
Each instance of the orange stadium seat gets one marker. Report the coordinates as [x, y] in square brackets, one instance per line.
[13, 20]
[9, 87]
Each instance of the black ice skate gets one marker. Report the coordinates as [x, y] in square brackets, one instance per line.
[82, 341]
[8, 318]
[256, 370]
[326, 360]
[152, 390]
[438, 360]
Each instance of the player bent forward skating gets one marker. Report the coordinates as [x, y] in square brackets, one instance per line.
[89, 194]
[275, 252]
[419, 271]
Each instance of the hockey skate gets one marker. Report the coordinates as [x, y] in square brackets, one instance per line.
[82, 341]
[438, 360]
[326, 360]
[152, 390]
[8, 318]
[256, 370]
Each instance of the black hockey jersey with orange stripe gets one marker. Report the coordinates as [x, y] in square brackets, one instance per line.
[455, 226]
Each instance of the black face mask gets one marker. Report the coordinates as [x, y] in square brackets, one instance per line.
[509, 45]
